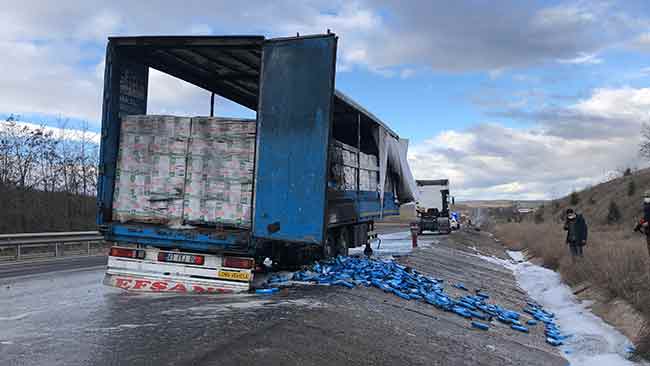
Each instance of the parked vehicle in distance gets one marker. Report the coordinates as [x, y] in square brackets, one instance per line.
[432, 207]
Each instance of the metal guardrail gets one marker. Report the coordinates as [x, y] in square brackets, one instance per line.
[31, 245]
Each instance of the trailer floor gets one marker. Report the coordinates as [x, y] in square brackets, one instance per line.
[69, 318]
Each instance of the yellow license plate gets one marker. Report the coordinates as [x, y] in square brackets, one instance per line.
[234, 275]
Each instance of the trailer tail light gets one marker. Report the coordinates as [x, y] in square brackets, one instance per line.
[127, 253]
[238, 262]
[181, 258]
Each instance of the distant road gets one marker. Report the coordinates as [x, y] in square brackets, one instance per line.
[14, 269]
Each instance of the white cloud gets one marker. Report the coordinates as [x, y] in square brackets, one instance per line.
[43, 78]
[494, 161]
[495, 74]
[169, 95]
[60, 132]
[625, 103]
[50, 51]
[645, 72]
[406, 73]
[582, 59]
[642, 42]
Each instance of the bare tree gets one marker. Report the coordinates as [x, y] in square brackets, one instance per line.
[47, 181]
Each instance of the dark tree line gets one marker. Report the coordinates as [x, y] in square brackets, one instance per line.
[48, 180]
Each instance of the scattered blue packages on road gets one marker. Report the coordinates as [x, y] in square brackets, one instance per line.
[481, 326]
[461, 287]
[519, 328]
[267, 290]
[407, 283]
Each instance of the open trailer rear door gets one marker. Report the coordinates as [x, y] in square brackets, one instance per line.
[294, 117]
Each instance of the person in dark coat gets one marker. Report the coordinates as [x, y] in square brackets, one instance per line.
[576, 236]
[643, 226]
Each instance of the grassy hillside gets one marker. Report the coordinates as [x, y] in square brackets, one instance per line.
[594, 202]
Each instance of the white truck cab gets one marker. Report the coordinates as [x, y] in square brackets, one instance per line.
[433, 206]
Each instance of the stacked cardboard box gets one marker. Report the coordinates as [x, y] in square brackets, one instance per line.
[175, 169]
[346, 161]
[151, 169]
[219, 184]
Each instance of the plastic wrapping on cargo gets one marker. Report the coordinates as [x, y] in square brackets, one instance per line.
[220, 165]
[151, 169]
[174, 169]
[393, 157]
[346, 162]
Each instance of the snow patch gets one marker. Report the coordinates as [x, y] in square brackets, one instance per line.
[516, 256]
[593, 342]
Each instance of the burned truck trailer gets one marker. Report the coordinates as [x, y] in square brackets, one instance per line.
[195, 203]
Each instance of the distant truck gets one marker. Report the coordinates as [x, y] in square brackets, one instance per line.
[432, 207]
[196, 204]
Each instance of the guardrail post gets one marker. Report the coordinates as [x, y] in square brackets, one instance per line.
[88, 247]
[56, 249]
[18, 252]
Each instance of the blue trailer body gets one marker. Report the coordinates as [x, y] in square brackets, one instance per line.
[290, 83]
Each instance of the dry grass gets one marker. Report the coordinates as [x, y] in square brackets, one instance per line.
[615, 261]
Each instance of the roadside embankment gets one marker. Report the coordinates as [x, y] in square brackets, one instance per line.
[614, 273]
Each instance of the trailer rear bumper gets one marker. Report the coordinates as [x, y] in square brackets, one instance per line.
[148, 283]
[148, 271]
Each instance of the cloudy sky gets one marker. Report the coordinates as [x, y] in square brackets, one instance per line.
[509, 99]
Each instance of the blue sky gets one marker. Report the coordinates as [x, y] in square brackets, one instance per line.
[508, 99]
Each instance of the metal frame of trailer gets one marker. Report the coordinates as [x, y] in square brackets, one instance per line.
[289, 82]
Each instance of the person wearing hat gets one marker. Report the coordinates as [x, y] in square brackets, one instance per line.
[643, 225]
[576, 236]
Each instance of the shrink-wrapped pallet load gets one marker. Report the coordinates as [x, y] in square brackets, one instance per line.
[347, 163]
[220, 172]
[177, 170]
[151, 169]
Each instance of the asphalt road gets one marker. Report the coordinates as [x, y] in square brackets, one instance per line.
[15, 269]
[68, 318]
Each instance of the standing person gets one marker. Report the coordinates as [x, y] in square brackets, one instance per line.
[576, 236]
[643, 225]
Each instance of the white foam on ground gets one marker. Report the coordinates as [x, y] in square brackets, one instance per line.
[122, 327]
[245, 304]
[593, 342]
[397, 244]
[19, 316]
